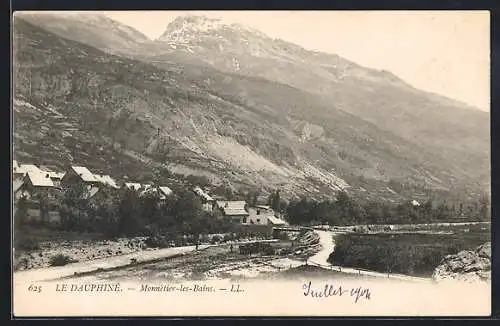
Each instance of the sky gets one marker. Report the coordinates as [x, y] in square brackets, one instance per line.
[445, 52]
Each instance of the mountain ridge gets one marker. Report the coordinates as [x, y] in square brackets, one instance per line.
[182, 93]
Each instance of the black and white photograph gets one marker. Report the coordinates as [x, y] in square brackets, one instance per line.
[242, 163]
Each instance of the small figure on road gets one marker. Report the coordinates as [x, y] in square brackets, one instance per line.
[231, 247]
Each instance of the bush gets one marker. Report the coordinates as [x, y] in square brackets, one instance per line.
[227, 238]
[60, 260]
[215, 239]
[157, 242]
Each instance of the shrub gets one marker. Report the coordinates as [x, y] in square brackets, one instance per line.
[60, 260]
[215, 239]
[157, 242]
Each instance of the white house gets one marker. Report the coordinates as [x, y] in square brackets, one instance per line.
[133, 186]
[206, 200]
[106, 180]
[236, 210]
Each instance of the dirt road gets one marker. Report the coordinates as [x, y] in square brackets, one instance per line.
[328, 246]
[50, 273]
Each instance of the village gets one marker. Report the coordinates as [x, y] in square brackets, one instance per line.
[35, 183]
[253, 240]
[41, 189]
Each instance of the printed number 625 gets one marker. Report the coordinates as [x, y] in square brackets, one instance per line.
[35, 288]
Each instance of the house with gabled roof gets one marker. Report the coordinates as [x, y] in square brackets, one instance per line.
[56, 177]
[264, 214]
[165, 192]
[17, 190]
[82, 176]
[275, 221]
[132, 186]
[207, 201]
[235, 210]
[106, 180]
[79, 174]
[21, 170]
[36, 185]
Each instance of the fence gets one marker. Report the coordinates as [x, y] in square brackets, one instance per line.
[366, 272]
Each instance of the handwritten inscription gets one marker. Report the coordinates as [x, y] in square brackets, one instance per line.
[330, 290]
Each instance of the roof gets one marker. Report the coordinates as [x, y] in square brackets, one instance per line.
[232, 207]
[235, 212]
[84, 173]
[133, 185]
[25, 168]
[147, 189]
[231, 203]
[16, 185]
[92, 191]
[106, 180]
[165, 190]
[264, 209]
[39, 179]
[276, 221]
[55, 175]
[202, 194]
[14, 165]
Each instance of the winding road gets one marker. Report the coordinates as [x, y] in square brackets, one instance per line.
[328, 246]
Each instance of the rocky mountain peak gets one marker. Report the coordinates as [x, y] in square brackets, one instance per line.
[186, 28]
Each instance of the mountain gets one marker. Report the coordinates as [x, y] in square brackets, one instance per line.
[376, 96]
[124, 116]
[94, 29]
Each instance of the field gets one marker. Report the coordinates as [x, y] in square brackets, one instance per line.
[215, 262]
[415, 253]
[35, 248]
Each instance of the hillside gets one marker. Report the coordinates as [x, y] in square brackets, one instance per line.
[379, 97]
[124, 116]
[96, 30]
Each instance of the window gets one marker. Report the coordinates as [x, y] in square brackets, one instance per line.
[258, 220]
[244, 220]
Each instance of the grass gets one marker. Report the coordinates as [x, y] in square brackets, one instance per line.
[28, 238]
[133, 103]
[410, 254]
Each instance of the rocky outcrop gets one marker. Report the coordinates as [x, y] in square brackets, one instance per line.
[467, 265]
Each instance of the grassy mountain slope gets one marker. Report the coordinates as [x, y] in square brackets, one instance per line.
[75, 103]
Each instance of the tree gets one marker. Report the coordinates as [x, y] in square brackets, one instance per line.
[251, 197]
[74, 207]
[484, 208]
[21, 214]
[130, 217]
[274, 201]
